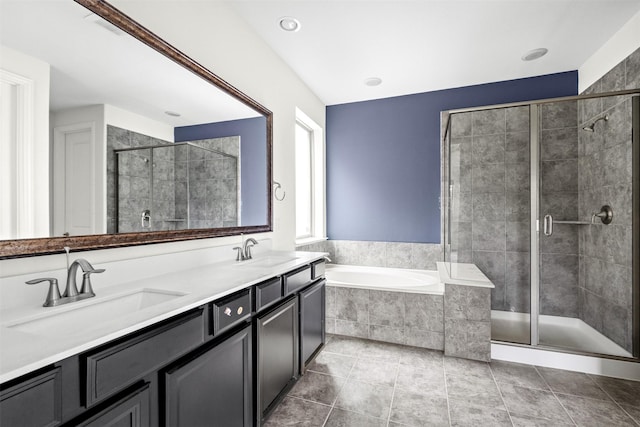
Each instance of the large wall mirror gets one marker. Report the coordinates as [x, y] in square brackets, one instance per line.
[111, 137]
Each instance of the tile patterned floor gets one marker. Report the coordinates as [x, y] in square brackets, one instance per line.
[360, 383]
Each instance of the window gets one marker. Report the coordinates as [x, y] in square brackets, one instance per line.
[310, 165]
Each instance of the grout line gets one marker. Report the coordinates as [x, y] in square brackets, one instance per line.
[393, 394]
[500, 393]
[333, 404]
[612, 399]
[446, 390]
[554, 395]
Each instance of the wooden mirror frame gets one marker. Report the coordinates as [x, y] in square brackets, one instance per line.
[50, 245]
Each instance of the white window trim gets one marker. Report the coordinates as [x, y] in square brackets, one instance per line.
[318, 198]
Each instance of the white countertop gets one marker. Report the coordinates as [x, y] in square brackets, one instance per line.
[464, 274]
[22, 352]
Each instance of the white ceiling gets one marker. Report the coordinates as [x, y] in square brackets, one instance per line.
[425, 45]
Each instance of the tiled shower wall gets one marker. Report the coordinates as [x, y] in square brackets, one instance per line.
[605, 292]
[490, 199]
[559, 197]
[421, 256]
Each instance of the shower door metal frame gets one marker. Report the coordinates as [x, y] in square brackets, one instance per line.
[534, 223]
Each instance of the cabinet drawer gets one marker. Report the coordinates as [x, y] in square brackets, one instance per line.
[33, 402]
[268, 293]
[296, 280]
[112, 369]
[317, 269]
[231, 310]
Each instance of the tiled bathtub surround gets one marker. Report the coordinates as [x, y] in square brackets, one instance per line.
[422, 256]
[397, 317]
[355, 382]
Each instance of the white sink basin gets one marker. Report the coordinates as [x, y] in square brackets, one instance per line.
[267, 261]
[93, 311]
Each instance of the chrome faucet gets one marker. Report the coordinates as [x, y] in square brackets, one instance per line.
[247, 247]
[244, 250]
[87, 269]
[71, 293]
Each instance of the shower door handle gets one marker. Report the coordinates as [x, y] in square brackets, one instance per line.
[547, 225]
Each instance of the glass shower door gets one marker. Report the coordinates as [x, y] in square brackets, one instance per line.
[584, 246]
[489, 209]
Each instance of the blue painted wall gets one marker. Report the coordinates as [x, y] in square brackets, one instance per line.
[253, 160]
[383, 157]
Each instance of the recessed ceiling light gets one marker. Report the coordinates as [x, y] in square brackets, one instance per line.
[535, 54]
[172, 113]
[373, 81]
[289, 24]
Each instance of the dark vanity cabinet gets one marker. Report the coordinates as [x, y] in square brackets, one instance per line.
[226, 363]
[312, 324]
[133, 410]
[213, 386]
[277, 355]
[41, 390]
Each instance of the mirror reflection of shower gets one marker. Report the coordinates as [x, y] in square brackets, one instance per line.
[166, 186]
[591, 127]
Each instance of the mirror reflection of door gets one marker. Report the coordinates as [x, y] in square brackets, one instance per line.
[24, 150]
[73, 180]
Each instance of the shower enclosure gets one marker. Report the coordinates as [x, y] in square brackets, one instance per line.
[174, 186]
[544, 197]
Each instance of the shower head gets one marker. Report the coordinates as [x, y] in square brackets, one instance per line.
[591, 127]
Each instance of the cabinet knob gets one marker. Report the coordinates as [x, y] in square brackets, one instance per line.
[227, 311]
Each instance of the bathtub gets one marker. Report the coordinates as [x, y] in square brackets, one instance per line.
[384, 279]
[385, 304]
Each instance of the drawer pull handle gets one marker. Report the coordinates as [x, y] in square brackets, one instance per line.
[227, 311]
[240, 310]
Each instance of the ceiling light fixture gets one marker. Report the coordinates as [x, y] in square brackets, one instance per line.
[172, 113]
[535, 54]
[289, 24]
[373, 81]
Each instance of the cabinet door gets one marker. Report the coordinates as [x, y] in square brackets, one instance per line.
[212, 387]
[277, 353]
[33, 402]
[312, 331]
[132, 411]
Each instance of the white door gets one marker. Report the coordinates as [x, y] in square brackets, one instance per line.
[73, 182]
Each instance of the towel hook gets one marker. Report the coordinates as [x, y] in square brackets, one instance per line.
[277, 187]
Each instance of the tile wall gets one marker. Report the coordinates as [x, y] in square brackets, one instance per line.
[422, 256]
